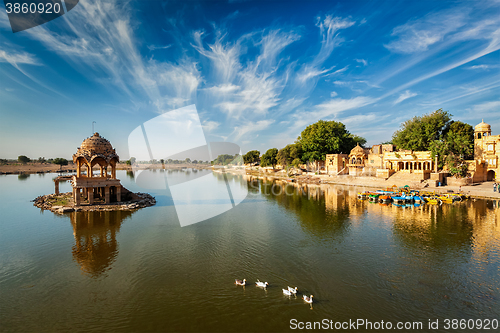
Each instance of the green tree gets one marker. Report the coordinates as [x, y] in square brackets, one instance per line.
[419, 132]
[451, 141]
[23, 159]
[296, 162]
[325, 137]
[359, 140]
[187, 160]
[456, 146]
[288, 154]
[251, 157]
[269, 158]
[60, 161]
[225, 159]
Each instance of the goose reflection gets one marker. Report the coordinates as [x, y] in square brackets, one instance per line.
[96, 247]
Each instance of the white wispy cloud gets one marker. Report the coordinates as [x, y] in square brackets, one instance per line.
[487, 107]
[223, 88]
[405, 95]
[101, 38]
[483, 67]
[418, 35]
[329, 26]
[337, 72]
[4, 21]
[15, 59]
[251, 88]
[251, 127]
[362, 61]
[329, 110]
[210, 125]
[158, 47]
[310, 73]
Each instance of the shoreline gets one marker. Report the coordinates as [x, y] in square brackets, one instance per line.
[479, 190]
[63, 203]
[40, 168]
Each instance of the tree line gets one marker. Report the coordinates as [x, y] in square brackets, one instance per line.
[23, 159]
[452, 142]
[314, 142]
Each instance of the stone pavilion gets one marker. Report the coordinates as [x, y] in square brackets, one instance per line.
[96, 188]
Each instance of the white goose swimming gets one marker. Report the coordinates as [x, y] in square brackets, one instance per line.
[239, 282]
[308, 299]
[261, 284]
[287, 292]
[292, 290]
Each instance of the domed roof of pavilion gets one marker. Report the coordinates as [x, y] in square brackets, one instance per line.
[96, 146]
[357, 150]
[482, 127]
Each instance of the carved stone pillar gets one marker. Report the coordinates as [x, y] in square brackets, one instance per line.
[77, 196]
[91, 196]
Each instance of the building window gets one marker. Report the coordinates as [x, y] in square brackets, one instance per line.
[371, 161]
[490, 147]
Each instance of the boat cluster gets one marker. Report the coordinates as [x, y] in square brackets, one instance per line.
[289, 291]
[405, 195]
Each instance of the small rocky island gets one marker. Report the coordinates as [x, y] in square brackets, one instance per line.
[94, 192]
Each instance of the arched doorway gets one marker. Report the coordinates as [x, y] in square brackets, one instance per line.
[490, 175]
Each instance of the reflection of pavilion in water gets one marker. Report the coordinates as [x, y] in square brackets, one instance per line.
[96, 247]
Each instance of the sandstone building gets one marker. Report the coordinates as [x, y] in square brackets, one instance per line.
[104, 187]
[485, 166]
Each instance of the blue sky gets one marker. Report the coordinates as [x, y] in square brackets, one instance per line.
[259, 72]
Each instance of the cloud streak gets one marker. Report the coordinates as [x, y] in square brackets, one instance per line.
[404, 96]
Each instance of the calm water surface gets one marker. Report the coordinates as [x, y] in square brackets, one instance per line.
[140, 271]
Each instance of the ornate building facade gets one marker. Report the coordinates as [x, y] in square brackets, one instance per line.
[485, 166]
[103, 187]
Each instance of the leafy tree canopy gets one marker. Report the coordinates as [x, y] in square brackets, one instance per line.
[456, 146]
[60, 161]
[419, 132]
[269, 158]
[451, 141]
[289, 153]
[226, 159]
[23, 159]
[325, 137]
[359, 140]
[252, 156]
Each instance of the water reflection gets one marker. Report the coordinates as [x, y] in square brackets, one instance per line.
[333, 209]
[23, 176]
[96, 247]
[130, 174]
[323, 210]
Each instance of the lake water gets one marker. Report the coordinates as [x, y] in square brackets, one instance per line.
[141, 271]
